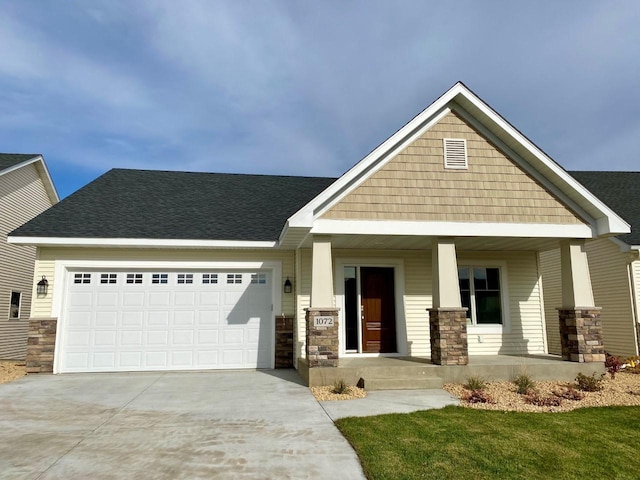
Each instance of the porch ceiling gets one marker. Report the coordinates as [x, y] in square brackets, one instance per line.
[416, 242]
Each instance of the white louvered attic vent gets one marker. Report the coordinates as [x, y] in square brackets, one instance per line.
[455, 153]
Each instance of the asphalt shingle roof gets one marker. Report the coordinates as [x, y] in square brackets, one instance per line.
[177, 205]
[8, 160]
[621, 192]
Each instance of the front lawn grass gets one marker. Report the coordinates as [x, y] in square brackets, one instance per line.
[463, 443]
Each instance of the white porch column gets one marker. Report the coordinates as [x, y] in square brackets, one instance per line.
[447, 318]
[576, 282]
[321, 273]
[446, 289]
[579, 318]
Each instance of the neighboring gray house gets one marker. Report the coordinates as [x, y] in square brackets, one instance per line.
[26, 190]
[614, 265]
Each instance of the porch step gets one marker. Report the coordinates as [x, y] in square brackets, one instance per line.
[402, 383]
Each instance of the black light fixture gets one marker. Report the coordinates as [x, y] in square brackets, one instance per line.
[42, 286]
[287, 286]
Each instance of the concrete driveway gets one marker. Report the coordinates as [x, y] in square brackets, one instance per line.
[240, 424]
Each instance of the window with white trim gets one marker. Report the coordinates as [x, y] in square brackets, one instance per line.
[234, 278]
[455, 153]
[160, 278]
[209, 278]
[14, 306]
[134, 278]
[81, 278]
[108, 278]
[259, 278]
[185, 278]
[481, 294]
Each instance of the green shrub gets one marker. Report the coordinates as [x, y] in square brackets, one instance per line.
[475, 383]
[340, 387]
[524, 384]
[589, 383]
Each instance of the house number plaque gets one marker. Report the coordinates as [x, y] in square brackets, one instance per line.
[323, 321]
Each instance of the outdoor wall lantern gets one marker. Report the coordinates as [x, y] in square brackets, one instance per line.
[42, 286]
[287, 286]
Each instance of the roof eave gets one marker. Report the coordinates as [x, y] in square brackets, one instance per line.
[43, 171]
[138, 242]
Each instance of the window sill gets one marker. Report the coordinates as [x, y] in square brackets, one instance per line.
[485, 329]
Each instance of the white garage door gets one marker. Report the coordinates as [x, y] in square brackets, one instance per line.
[166, 320]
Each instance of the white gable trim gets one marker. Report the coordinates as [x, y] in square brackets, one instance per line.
[605, 220]
[451, 229]
[44, 175]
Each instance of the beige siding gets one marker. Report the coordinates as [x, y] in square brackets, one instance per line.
[525, 334]
[552, 288]
[48, 256]
[415, 186]
[609, 271]
[22, 197]
[635, 270]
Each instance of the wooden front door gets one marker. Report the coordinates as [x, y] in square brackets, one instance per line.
[378, 310]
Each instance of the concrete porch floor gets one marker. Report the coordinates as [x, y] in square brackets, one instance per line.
[387, 373]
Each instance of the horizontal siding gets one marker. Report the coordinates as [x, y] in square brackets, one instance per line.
[526, 333]
[552, 289]
[635, 269]
[22, 197]
[415, 186]
[48, 256]
[609, 270]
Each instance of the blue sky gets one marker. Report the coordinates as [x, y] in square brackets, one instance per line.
[305, 88]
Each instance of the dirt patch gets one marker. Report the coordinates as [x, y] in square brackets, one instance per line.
[326, 393]
[623, 390]
[10, 371]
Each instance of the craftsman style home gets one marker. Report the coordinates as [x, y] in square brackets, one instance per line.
[428, 248]
[26, 190]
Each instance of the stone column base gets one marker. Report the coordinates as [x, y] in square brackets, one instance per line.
[322, 337]
[581, 334]
[448, 329]
[284, 342]
[41, 345]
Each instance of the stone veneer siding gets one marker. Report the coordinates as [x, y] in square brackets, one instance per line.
[322, 341]
[284, 342]
[581, 334]
[41, 345]
[448, 329]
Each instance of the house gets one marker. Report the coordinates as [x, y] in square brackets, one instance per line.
[26, 190]
[428, 247]
[614, 265]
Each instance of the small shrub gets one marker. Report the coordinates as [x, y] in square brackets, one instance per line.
[589, 383]
[340, 387]
[613, 365]
[475, 383]
[534, 398]
[524, 384]
[569, 393]
[477, 396]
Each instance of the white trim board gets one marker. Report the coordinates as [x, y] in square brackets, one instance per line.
[43, 171]
[137, 242]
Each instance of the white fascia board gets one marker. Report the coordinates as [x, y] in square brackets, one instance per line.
[374, 160]
[624, 247]
[452, 229]
[41, 166]
[613, 223]
[137, 242]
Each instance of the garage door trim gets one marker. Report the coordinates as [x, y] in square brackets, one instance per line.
[66, 268]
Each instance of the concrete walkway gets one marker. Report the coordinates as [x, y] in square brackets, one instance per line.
[240, 425]
[389, 401]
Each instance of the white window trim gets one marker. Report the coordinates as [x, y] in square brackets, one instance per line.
[398, 278]
[473, 329]
[19, 292]
[66, 268]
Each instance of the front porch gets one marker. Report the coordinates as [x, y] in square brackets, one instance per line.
[407, 373]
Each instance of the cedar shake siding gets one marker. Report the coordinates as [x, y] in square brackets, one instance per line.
[22, 197]
[415, 186]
